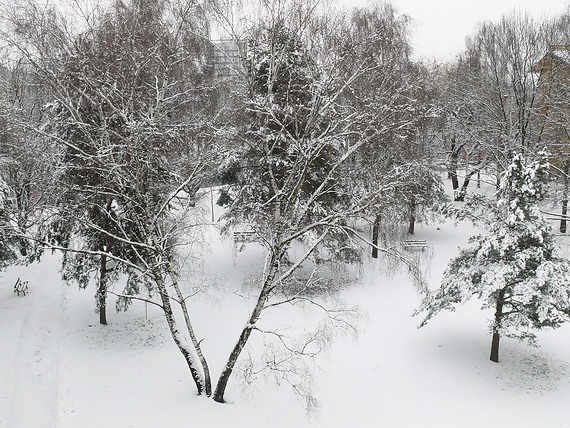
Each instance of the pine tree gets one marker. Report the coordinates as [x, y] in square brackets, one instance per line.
[7, 239]
[280, 173]
[514, 267]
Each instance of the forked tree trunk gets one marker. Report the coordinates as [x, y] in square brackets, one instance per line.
[375, 233]
[460, 195]
[186, 350]
[195, 341]
[246, 332]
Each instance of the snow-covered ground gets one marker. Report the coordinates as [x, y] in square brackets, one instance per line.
[60, 368]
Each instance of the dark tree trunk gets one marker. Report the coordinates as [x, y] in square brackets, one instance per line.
[496, 326]
[102, 291]
[102, 286]
[375, 233]
[454, 181]
[412, 217]
[228, 369]
[495, 347]
[453, 162]
[563, 220]
[460, 195]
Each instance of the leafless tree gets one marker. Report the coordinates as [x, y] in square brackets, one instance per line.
[128, 106]
[490, 97]
[552, 114]
[290, 181]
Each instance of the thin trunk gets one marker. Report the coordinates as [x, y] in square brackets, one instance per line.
[453, 161]
[228, 369]
[375, 233]
[412, 217]
[563, 221]
[563, 218]
[498, 175]
[496, 326]
[102, 286]
[195, 341]
[246, 332]
[102, 291]
[212, 204]
[175, 333]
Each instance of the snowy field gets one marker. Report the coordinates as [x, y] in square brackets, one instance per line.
[60, 368]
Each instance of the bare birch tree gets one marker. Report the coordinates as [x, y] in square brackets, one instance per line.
[290, 180]
[128, 90]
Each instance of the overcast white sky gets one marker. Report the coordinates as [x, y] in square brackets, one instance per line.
[442, 25]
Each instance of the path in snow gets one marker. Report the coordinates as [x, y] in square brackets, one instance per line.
[31, 371]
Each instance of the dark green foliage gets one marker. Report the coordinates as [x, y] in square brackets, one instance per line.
[8, 241]
[281, 154]
[514, 267]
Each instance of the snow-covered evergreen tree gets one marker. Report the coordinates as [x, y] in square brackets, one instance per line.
[514, 267]
[7, 239]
